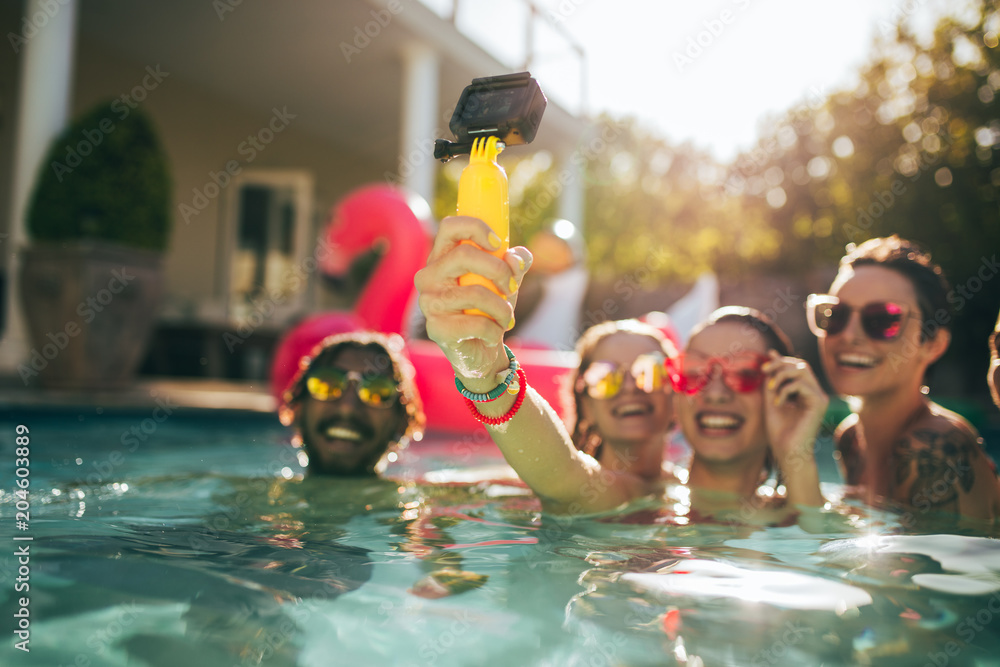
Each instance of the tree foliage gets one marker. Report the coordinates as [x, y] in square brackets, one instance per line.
[106, 177]
[911, 150]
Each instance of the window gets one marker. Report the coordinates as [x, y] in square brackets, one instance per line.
[268, 238]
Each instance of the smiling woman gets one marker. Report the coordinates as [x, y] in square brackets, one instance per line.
[745, 404]
[621, 396]
[879, 330]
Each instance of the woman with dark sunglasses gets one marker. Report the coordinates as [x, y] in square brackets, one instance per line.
[884, 322]
[744, 403]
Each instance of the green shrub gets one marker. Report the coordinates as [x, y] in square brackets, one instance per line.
[105, 178]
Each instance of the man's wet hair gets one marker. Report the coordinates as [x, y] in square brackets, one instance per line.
[909, 260]
[402, 372]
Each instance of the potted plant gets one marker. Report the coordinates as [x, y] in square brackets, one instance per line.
[92, 279]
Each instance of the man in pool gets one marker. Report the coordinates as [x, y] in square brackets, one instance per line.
[353, 404]
[884, 322]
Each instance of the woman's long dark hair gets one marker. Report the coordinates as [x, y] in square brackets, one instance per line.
[773, 336]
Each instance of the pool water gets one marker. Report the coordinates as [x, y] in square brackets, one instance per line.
[196, 541]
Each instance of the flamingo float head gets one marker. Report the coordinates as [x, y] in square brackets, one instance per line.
[365, 217]
[370, 216]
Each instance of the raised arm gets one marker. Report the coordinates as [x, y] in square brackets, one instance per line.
[534, 441]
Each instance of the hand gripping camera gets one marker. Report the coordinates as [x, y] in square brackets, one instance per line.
[492, 113]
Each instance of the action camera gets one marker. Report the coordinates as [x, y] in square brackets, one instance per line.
[508, 107]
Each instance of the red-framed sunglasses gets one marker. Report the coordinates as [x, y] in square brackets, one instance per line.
[742, 373]
[604, 379]
[880, 320]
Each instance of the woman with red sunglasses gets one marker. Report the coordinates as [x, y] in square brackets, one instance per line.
[744, 403]
[884, 322]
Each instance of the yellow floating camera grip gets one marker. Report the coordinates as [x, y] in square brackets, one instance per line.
[482, 193]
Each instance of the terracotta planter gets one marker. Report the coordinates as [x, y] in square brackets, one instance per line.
[90, 311]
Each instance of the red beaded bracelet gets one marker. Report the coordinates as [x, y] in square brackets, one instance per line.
[504, 418]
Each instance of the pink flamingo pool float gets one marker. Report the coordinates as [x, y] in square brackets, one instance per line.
[381, 216]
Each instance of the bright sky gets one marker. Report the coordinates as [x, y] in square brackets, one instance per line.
[707, 71]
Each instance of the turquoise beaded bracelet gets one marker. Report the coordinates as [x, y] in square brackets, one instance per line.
[497, 391]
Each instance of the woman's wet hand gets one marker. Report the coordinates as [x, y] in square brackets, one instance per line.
[473, 343]
[794, 405]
